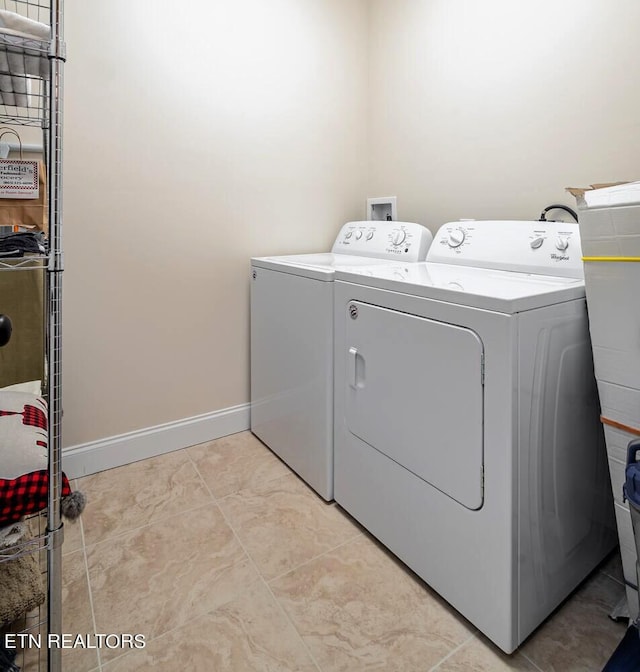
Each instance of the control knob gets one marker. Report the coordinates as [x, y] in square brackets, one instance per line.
[398, 237]
[562, 243]
[536, 242]
[348, 235]
[370, 235]
[358, 235]
[456, 237]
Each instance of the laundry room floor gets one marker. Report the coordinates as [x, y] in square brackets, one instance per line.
[225, 560]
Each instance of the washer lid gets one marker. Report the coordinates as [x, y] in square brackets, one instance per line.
[319, 266]
[500, 291]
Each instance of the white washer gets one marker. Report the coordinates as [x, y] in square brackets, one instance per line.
[467, 433]
[292, 341]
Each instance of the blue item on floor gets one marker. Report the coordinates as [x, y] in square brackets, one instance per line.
[631, 487]
[626, 658]
[7, 659]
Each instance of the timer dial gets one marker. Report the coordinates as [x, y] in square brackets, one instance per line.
[456, 237]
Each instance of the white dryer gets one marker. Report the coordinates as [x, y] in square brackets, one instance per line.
[467, 433]
[292, 341]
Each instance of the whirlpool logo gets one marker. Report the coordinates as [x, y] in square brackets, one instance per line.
[559, 257]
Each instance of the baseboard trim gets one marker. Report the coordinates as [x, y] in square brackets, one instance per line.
[115, 451]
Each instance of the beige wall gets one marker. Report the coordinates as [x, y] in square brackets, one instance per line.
[196, 135]
[204, 133]
[490, 108]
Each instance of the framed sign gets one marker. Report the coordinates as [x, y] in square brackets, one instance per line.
[19, 179]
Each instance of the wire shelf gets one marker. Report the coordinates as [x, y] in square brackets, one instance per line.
[31, 626]
[23, 99]
[32, 54]
[33, 545]
[26, 263]
[25, 45]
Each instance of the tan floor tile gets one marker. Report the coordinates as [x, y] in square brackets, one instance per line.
[158, 577]
[358, 609]
[128, 497]
[32, 660]
[580, 636]
[72, 528]
[283, 524]
[480, 655]
[76, 612]
[30, 657]
[248, 634]
[76, 619]
[236, 462]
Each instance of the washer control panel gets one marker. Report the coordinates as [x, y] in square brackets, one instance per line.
[547, 248]
[407, 241]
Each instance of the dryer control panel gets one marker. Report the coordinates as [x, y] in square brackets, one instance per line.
[405, 241]
[545, 248]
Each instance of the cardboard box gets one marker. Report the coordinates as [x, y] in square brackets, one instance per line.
[620, 404]
[593, 196]
[609, 218]
[610, 232]
[614, 320]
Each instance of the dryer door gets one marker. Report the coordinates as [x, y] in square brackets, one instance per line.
[415, 393]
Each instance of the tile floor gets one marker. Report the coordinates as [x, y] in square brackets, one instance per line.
[225, 560]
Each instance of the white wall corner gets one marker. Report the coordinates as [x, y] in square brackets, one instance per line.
[115, 451]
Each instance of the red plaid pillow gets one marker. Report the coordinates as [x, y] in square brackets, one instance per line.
[24, 480]
[23, 433]
[25, 495]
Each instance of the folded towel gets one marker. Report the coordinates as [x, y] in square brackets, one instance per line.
[18, 80]
[25, 63]
[21, 588]
[36, 64]
[6, 97]
[21, 24]
[6, 86]
[17, 65]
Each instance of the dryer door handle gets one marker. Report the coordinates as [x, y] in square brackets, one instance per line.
[355, 363]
